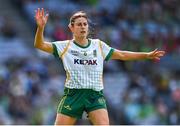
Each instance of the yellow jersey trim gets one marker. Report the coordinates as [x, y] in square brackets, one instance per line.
[100, 45]
[65, 50]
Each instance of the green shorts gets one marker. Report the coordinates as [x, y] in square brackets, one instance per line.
[76, 101]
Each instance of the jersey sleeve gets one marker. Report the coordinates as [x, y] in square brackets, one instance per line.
[107, 51]
[59, 47]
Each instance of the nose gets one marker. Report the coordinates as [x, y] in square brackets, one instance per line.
[83, 26]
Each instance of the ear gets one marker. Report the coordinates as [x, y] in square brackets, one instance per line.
[71, 28]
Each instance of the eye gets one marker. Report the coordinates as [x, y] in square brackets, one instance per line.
[79, 24]
[84, 24]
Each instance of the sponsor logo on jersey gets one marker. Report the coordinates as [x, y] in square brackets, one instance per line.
[67, 107]
[94, 53]
[74, 52]
[85, 62]
[101, 100]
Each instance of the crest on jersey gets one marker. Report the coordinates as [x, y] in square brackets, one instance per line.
[85, 53]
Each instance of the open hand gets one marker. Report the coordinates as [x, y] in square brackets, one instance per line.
[155, 54]
[41, 18]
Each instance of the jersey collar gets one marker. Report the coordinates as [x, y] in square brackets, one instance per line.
[89, 42]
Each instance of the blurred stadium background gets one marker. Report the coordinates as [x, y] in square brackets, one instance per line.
[137, 92]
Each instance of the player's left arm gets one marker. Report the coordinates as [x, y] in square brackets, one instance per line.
[128, 55]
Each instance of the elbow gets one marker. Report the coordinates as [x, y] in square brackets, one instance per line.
[123, 57]
[119, 56]
[36, 45]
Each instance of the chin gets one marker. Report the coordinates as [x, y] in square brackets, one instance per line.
[83, 36]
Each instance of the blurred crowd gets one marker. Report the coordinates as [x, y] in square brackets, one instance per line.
[147, 92]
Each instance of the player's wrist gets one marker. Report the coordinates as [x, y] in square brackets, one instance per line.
[148, 56]
[41, 28]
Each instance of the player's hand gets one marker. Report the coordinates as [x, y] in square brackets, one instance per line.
[155, 55]
[41, 18]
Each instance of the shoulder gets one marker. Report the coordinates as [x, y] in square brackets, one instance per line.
[98, 42]
[61, 42]
[94, 41]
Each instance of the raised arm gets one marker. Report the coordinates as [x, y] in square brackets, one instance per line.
[41, 20]
[127, 55]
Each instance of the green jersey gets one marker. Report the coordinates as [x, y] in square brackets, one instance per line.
[83, 65]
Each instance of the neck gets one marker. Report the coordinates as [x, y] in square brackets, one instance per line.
[81, 41]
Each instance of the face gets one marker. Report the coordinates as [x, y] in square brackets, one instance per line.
[80, 27]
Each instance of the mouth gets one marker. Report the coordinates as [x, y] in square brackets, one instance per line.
[83, 32]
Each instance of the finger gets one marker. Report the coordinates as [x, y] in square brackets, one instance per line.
[155, 50]
[160, 55]
[46, 17]
[163, 52]
[38, 12]
[157, 58]
[42, 11]
[35, 11]
[156, 53]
